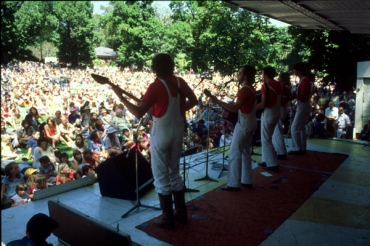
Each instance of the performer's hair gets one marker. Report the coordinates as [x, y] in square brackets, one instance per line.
[163, 64]
[302, 68]
[269, 71]
[250, 72]
[285, 77]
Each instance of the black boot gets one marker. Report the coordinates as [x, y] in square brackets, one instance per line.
[167, 221]
[181, 214]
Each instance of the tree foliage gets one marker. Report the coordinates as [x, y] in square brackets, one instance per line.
[202, 35]
[75, 30]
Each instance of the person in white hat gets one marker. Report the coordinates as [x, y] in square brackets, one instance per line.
[111, 142]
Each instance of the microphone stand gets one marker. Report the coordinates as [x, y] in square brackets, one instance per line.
[184, 164]
[206, 177]
[138, 203]
[224, 167]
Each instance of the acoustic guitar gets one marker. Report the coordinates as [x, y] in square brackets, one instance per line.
[105, 81]
[232, 117]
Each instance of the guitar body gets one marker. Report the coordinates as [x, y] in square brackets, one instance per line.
[232, 117]
[226, 115]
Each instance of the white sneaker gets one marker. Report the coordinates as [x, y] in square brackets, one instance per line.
[18, 150]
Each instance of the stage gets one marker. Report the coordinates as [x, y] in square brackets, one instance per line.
[348, 188]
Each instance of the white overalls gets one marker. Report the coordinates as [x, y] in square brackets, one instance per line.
[277, 137]
[240, 162]
[166, 146]
[269, 119]
[298, 128]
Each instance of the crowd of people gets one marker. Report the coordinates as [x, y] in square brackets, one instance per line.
[43, 106]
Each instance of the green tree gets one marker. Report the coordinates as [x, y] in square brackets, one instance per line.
[75, 30]
[134, 32]
[13, 42]
[36, 20]
[333, 54]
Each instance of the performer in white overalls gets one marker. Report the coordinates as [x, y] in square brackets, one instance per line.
[270, 118]
[303, 94]
[166, 98]
[240, 162]
[277, 137]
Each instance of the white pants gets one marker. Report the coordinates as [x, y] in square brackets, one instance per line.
[240, 162]
[277, 136]
[298, 128]
[269, 119]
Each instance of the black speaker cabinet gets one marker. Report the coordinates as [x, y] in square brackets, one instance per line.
[117, 175]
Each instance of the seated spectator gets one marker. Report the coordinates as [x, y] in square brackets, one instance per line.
[365, 133]
[21, 196]
[44, 108]
[93, 119]
[78, 161]
[342, 123]
[16, 119]
[141, 133]
[58, 116]
[36, 118]
[23, 166]
[95, 144]
[87, 170]
[199, 128]
[47, 169]
[143, 148]
[90, 158]
[24, 133]
[65, 174]
[119, 121]
[226, 138]
[111, 142]
[39, 228]
[7, 149]
[105, 117]
[100, 127]
[52, 132]
[194, 141]
[319, 126]
[43, 149]
[7, 203]
[66, 131]
[127, 139]
[73, 116]
[215, 134]
[205, 144]
[64, 158]
[79, 143]
[32, 144]
[12, 134]
[85, 116]
[331, 115]
[40, 184]
[10, 181]
[80, 130]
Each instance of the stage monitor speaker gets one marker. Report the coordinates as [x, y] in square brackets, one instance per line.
[117, 175]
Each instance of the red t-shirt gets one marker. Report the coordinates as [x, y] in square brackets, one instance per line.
[304, 90]
[272, 95]
[59, 180]
[249, 96]
[156, 96]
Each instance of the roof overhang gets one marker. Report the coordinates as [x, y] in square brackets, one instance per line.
[339, 15]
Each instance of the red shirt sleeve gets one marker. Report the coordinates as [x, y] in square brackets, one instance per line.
[304, 90]
[250, 98]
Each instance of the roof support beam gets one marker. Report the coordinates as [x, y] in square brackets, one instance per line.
[310, 14]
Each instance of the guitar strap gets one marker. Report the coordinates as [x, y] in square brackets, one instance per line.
[180, 93]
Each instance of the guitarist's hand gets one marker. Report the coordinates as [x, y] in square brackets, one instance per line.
[117, 90]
